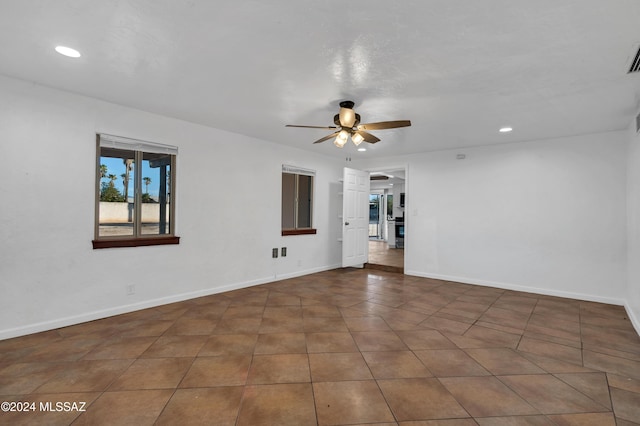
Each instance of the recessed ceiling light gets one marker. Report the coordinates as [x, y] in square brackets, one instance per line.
[505, 129]
[67, 51]
[362, 149]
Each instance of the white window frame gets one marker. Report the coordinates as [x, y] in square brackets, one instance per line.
[138, 148]
[299, 171]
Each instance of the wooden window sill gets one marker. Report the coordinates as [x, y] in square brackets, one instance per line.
[135, 242]
[306, 231]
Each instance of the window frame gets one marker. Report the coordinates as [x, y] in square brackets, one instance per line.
[297, 172]
[137, 239]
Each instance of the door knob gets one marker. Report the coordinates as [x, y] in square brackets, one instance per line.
[346, 223]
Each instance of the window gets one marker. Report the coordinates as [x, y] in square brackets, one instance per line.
[297, 201]
[135, 193]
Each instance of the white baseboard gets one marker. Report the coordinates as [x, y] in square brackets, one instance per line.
[635, 321]
[104, 313]
[95, 315]
[526, 289]
[305, 272]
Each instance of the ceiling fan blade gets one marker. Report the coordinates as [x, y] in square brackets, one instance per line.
[332, 135]
[368, 137]
[312, 127]
[385, 125]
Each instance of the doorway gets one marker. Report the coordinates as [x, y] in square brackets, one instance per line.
[376, 216]
[386, 215]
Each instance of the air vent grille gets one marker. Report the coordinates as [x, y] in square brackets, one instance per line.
[635, 65]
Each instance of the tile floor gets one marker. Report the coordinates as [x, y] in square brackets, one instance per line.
[340, 347]
[384, 258]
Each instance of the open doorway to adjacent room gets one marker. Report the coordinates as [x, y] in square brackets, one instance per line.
[386, 220]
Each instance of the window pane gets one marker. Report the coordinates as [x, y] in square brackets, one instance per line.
[156, 194]
[305, 188]
[117, 175]
[288, 200]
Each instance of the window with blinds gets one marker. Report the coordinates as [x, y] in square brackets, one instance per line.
[297, 201]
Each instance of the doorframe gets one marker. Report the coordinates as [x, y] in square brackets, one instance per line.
[405, 167]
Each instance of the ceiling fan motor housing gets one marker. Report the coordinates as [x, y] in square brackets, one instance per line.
[336, 120]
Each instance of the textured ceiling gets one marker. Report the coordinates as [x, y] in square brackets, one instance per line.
[457, 69]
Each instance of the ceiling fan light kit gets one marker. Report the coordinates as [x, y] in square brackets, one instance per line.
[347, 123]
[341, 139]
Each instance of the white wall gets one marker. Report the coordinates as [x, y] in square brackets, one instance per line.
[49, 274]
[633, 218]
[543, 216]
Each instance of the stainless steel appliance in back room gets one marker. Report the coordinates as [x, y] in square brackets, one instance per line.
[400, 232]
[400, 225]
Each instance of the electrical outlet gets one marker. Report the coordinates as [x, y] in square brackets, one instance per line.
[283, 251]
[274, 253]
[131, 289]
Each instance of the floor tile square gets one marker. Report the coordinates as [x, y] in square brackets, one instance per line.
[333, 367]
[281, 343]
[369, 341]
[121, 348]
[366, 323]
[202, 406]
[330, 342]
[588, 419]
[551, 350]
[69, 349]
[593, 385]
[23, 378]
[238, 326]
[395, 365]
[282, 404]
[136, 407]
[612, 364]
[279, 368]
[175, 346]
[192, 326]
[445, 325]
[153, 373]
[85, 376]
[536, 420]
[351, 402]
[487, 397]
[550, 395]
[281, 325]
[509, 340]
[228, 370]
[450, 363]
[425, 339]
[626, 405]
[501, 361]
[227, 344]
[420, 399]
[320, 311]
[328, 324]
[283, 312]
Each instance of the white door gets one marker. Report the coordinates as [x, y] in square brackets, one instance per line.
[355, 218]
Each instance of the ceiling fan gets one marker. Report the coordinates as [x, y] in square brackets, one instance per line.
[347, 123]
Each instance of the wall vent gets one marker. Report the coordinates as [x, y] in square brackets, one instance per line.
[635, 64]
